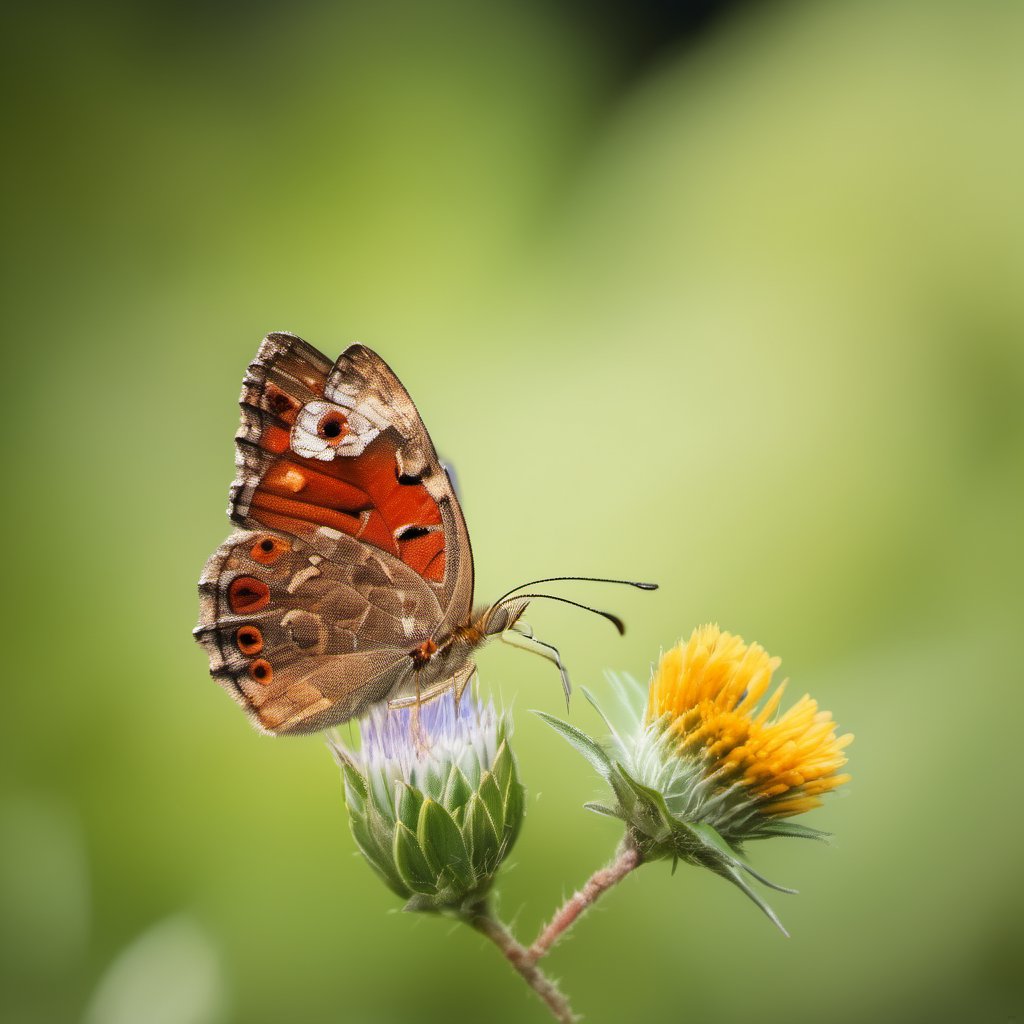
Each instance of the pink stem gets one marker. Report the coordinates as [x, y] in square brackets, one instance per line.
[600, 881]
[517, 955]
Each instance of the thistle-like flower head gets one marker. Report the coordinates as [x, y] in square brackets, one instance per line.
[707, 763]
[716, 746]
[434, 799]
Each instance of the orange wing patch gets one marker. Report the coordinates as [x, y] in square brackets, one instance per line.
[362, 496]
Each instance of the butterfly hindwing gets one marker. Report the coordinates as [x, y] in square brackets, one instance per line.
[304, 634]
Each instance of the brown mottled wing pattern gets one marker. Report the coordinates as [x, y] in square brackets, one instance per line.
[354, 550]
[305, 634]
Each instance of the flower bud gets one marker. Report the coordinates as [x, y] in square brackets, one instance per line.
[434, 799]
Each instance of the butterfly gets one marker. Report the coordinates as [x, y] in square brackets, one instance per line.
[350, 578]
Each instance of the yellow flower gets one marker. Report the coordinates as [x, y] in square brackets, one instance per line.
[706, 693]
[709, 764]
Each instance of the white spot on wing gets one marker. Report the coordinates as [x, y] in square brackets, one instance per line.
[302, 576]
[306, 441]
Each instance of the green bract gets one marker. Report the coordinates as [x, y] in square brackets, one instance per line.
[435, 805]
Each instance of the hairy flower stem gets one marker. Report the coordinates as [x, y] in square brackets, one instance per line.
[482, 918]
[627, 859]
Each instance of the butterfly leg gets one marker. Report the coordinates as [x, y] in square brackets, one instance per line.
[460, 681]
[521, 636]
[415, 731]
[456, 682]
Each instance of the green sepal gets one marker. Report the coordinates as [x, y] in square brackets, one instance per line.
[377, 836]
[354, 788]
[735, 876]
[513, 796]
[457, 790]
[714, 842]
[648, 812]
[791, 829]
[480, 834]
[625, 796]
[353, 778]
[515, 811]
[588, 747]
[389, 877]
[492, 799]
[592, 700]
[411, 864]
[377, 858]
[504, 767]
[608, 812]
[442, 844]
[381, 828]
[407, 805]
[703, 845]
[381, 793]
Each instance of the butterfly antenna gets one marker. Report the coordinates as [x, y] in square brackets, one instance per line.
[577, 579]
[613, 619]
[515, 634]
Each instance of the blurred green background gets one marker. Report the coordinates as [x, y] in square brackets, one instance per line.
[734, 302]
